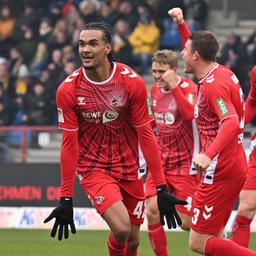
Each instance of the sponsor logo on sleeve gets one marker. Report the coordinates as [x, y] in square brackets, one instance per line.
[222, 106]
[60, 115]
[184, 85]
[191, 98]
[235, 79]
[150, 113]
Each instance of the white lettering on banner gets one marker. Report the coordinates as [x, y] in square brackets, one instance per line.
[84, 218]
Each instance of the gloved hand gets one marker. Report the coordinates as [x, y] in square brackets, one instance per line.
[64, 217]
[166, 206]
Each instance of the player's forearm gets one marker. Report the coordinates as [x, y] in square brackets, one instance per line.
[151, 153]
[184, 32]
[250, 110]
[185, 108]
[68, 162]
[228, 130]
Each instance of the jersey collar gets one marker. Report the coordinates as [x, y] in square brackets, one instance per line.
[209, 72]
[102, 82]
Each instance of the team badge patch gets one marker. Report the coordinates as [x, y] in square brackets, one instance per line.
[60, 115]
[99, 199]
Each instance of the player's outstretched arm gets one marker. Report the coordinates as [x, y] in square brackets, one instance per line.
[177, 16]
[63, 215]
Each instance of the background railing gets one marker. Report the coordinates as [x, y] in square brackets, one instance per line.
[29, 144]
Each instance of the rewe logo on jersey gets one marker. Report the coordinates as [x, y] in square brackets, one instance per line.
[109, 116]
[99, 117]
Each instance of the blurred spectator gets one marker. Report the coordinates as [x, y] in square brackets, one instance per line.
[196, 14]
[54, 12]
[144, 40]
[71, 13]
[28, 18]
[6, 81]
[170, 37]
[78, 27]
[15, 61]
[55, 64]
[161, 10]
[38, 107]
[88, 9]
[39, 59]
[107, 14]
[251, 44]
[122, 50]
[7, 23]
[128, 13]
[4, 107]
[68, 55]
[45, 30]
[28, 45]
[234, 55]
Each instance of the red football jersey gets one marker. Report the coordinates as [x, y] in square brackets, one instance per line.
[252, 94]
[106, 115]
[177, 138]
[220, 96]
[250, 109]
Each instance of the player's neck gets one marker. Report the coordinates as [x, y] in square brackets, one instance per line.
[100, 73]
[203, 70]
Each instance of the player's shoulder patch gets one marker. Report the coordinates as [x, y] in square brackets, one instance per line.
[73, 75]
[127, 71]
[234, 79]
[184, 84]
[210, 79]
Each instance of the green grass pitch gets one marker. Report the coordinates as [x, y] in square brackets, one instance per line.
[20, 242]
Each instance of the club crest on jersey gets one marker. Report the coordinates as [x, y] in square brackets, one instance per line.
[99, 199]
[116, 101]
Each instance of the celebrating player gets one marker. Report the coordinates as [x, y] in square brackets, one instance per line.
[172, 101]
[104, 112]
[247, 204]
[222, 161]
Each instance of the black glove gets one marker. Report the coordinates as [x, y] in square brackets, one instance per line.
[166, 206]
[64, 217]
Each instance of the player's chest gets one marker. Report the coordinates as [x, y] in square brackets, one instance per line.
[101, 103]
[164, 103]
[165, 108]
[203, 112]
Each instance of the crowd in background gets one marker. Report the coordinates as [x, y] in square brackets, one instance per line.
[39, 46]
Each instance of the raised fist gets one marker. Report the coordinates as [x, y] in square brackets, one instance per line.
[177, 15]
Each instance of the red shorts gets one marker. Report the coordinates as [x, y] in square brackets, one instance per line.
[104, 190]
[182, 187]
[250, 183]
[212, 206]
